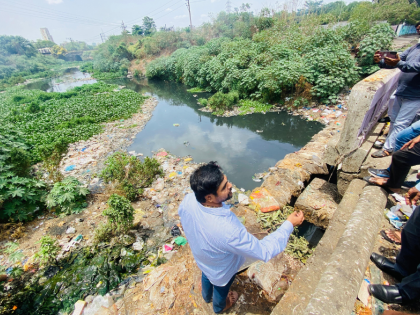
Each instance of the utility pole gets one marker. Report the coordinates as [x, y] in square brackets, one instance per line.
[103, 37]
[228, 6]
[189, 11]
[123, 26]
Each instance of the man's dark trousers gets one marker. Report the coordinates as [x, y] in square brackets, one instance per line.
[219, 294]
[408, 260]
[402, 161]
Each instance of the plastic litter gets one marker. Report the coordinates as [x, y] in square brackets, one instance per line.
[176, 125]
[186, 143]
[260, 131]
[70, 168]
[188, 160]
[167, 248]
[71, 230]
[181, 241]
[163, 153]
[175, 231]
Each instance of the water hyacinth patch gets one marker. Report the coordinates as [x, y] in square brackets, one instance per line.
[75, 118]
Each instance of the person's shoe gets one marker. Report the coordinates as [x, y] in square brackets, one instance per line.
[385, 265]
[384, 120]
[384, 173]
[386, 293]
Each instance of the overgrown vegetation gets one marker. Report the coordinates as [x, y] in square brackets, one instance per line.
[67, 196]
[48, 251]
[129, 175]
[38, 126]
[297, 247]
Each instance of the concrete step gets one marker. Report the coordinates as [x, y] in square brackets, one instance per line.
[300, 292]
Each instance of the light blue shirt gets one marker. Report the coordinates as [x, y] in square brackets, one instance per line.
[220, 242]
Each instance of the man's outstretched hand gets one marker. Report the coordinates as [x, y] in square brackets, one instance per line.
[296, 218]
[377, 57]
[412, 196]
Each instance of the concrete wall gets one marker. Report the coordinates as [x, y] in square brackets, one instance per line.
[368, 101]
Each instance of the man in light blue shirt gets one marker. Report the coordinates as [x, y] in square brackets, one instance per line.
[218, 240]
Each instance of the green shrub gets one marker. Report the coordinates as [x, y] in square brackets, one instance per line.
[14, 255]
[48, 250]
[67, 196]
[203, 101]
[223, 101]
[130, 174]
[379, 37]
[20, 195]
[120, 213]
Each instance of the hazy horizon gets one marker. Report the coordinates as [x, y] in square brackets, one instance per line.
[85, 20]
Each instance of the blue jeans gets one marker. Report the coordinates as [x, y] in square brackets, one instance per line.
[402, 113]
[219, 294]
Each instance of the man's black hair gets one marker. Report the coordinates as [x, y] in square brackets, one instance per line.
[417, 24]
[206, 180]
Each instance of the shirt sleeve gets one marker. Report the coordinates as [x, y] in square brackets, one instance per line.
[409, 66]
[247, 245]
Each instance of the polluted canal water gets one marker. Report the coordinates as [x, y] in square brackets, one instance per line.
[242, 145]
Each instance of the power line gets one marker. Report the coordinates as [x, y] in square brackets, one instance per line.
[123, 26]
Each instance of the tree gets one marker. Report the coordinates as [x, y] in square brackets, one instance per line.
[16, 45]
[149, 26]
[313, 6]
[58, 51]
[137, 30]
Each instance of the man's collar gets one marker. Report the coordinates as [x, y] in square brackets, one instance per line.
[223, 211]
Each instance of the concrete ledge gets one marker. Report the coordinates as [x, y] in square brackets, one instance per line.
[341, 280]
[300, 292]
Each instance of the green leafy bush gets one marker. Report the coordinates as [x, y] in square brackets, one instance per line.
[223, 101]
[14, 255]
[120, 213]
[20, 195]
[203, 101]
[379, 37]
[130, 174]
[67, 196]
[48, 250]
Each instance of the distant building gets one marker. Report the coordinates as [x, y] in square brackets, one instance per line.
[45, 51]
[46, 35]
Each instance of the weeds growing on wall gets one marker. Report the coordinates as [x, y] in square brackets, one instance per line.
[297, 247]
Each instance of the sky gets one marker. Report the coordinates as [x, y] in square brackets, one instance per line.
[84, 20]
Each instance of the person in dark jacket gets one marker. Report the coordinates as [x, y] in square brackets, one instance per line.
[407, 97]
[406, 269]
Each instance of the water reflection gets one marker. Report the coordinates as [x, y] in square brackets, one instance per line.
[232, 141]
[71, 78]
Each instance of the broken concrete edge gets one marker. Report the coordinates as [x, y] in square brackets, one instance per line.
[297, 297]
[291, 174]
[318, 202]
[343, 275]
